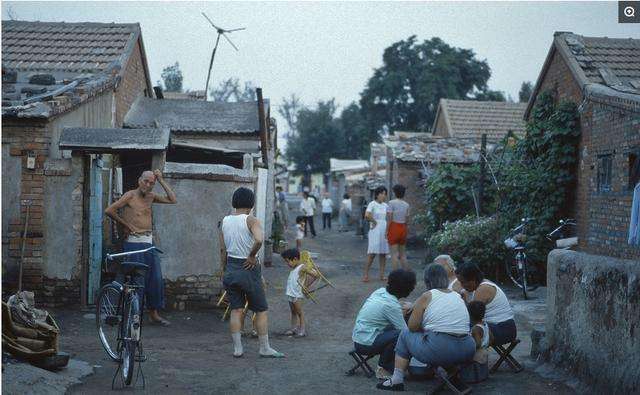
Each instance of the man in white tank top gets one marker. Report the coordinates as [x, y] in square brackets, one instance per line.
[499, 315]
[241, 238]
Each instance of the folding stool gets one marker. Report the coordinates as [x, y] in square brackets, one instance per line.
[361, 362]
[505, 356]
[446, 381]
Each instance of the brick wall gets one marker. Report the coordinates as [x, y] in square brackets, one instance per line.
[132, 85]
[24, 137]
[603, 217]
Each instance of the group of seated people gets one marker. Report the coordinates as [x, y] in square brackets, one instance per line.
[451, 324]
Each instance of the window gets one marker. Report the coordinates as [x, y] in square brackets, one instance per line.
[634, 169]
[604, 172]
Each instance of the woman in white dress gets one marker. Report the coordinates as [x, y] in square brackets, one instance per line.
[376, 214]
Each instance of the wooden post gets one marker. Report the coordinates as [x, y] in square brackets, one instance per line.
[483, 156]
[264, 141]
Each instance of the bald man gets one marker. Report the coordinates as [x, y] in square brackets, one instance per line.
[137, 221]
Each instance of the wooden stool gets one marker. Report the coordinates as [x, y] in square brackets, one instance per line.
[446, 380]
[505, 356]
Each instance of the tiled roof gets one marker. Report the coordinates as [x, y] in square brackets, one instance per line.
[194, 115]
[434, 150]
[470, 119]
[51, 67]
[113, 139]
[607, 67]
[348, 165]
[59, 46]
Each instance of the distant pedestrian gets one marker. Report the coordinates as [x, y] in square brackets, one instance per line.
[300, 225]
[398, 217]
[344, 213]
[308, 209]
[327, 211]
[241, 238]
[282, 206]
[376, 215]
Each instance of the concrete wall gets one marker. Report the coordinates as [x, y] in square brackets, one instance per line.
[593, 319]
[11, 170]
[187, 231]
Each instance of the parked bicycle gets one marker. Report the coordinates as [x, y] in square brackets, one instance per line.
[564, 236]
[119, 315]
[517, 269]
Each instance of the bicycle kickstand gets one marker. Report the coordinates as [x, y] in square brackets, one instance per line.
[140, 373]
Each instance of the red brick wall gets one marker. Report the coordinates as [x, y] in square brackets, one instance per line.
[24, 136]
[603, 218]
[132, 85]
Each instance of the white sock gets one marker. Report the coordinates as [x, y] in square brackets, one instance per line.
[265, 348]
[398, 376]
[237, 343]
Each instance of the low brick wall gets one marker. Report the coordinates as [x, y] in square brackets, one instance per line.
[593, 319]
[192, 292]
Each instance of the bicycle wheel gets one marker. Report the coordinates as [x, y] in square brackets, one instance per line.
[513, 272]
[108, 319]
[129, 349]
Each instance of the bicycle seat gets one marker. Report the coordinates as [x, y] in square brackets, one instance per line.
[133, 267]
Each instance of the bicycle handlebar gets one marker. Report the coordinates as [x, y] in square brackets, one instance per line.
[111, 256]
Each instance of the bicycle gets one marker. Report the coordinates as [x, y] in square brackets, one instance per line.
[564, 236]
[517, 269]
[119, 316]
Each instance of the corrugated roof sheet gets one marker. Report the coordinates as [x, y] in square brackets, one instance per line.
[469, 119]
[194, 115]
[113, 139]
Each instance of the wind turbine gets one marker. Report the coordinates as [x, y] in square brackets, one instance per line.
[221, 32]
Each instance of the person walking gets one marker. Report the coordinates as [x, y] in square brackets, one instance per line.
[308, 209]
[241, 238]
[344, 213]
[327, 211]
[376, 215]
[397, 231]
[137, 220]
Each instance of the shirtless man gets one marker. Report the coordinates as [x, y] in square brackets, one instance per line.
[137, 221]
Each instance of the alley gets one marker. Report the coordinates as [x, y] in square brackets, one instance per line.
[193, 355]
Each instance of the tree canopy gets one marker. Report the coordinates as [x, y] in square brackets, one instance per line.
[403, 93]
[230, 90]
[172, 78]
[526, 89]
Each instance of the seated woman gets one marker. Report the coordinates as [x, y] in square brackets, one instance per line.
[380, 320]
[438, 330]
[498, 315]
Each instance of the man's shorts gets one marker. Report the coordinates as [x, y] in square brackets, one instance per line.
[244, 286]
[397, 233]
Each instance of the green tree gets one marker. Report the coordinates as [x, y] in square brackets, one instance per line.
[526, 89]
[490, 95]
[230, 90]
[289, 111]
[319, 138]
[403, 93]
[357, 136]
[172, 78]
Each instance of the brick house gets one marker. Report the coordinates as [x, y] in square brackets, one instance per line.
[602, 77]
[470, 119]
[57, 75]
[412, 157]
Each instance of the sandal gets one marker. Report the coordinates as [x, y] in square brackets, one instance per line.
[387, 386]
[275, 355]
[289, 332]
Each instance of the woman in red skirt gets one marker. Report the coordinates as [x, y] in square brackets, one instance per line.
[398, 216]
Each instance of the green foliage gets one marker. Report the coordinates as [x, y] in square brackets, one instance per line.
[468, 239]
[403, 94]
[490, 95]
[172, 78]
[536, 179]
[230, 90]
[526, 89]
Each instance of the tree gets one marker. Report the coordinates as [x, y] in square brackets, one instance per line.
[289, 111]
[172, 77]
[230, 90]
[357, 136]
[319, 138]
[403, 94]
[490, 95]
[526, 89]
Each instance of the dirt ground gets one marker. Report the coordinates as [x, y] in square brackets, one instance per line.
[193, 355]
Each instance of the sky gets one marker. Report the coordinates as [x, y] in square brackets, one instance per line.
[324, 50]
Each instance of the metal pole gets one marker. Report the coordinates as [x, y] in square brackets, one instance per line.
[483, 152]
[213, 55]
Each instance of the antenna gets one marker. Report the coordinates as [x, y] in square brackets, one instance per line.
[221, 32]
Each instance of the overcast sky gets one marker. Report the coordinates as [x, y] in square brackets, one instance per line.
[322, 50]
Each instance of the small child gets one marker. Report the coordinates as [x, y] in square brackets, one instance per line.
[294, 293]
[478, 370]
[299, 231]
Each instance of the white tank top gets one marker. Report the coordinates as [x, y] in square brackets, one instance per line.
[446, 313]
[485, 334]
[238, 239]
[498, 310]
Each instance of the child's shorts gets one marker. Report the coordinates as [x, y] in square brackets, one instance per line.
[293, 299]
